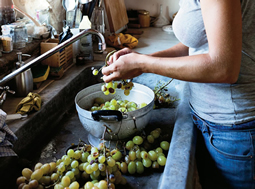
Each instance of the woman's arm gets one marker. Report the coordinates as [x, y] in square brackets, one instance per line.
[223, 24]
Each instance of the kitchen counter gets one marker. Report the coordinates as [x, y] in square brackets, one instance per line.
[46, 134]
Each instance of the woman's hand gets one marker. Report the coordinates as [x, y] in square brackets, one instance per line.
[122, 65]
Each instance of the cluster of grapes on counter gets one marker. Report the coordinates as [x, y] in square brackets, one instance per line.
[91, 167]
[162, 98]
[121, 105]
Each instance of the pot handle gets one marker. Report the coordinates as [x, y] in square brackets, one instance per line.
[107, 115]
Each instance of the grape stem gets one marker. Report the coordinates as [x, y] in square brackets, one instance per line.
[162, 87]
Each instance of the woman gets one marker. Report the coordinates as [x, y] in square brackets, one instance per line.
[216, 55]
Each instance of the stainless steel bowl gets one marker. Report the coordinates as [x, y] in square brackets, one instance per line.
[118, 126]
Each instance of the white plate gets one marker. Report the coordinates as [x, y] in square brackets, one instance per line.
[168, 28]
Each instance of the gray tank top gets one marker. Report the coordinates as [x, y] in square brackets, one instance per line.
[220, 103]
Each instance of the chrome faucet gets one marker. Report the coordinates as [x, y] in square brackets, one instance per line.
[101, 48]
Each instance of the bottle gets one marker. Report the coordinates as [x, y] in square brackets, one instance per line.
[24, 81]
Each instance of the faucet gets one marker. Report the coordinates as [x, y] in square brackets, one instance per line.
[101, 48]
[4, 93]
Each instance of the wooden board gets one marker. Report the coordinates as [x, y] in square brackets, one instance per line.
[116, 14]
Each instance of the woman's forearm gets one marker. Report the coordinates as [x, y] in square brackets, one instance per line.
[175, 51]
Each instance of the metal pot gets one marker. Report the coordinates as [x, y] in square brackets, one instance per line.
[118, 126]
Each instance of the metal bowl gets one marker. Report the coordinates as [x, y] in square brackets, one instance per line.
[113, 125]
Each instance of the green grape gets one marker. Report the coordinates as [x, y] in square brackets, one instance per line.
[111, 185]
[160, 154]
[104, 88]
[45, 180]
[101, 159]
[77, 154]
[112, 107]
[159, 150]
[147, 162]
[123, 167]
[152, 155]
[109, 169]
[62, 158]
[70, 153]
[75, 171]
[70, 174]
[143, 104]
[53, 166]
[116, 155]
[103, 184]
[138, 154]
[155, 165]
[126, 92]
[113, 102]
[122, 109]
[96, 173]
[65, 181]
[139, 167]
[58, 186]
[101, 166]
[112, 178]
[155, 133]
[110, 161]
[138, 140]
[127, 159]
[74, 185]
[21, 180]
[129, 145]
[88, 169]
[33, 184]
[84, 157]
[132, 155]
[39, 165]
[57, 162]
[106, 92]
[85, 165]
[144, 154]
[26, 172]
[131, 167]
[74, 164]
[88, 185]
[108, 85]
[95, 72]
[94, 167]
[150, 139]
[90, 158]
[37, 174]
[54, 177]
[67, 160]
[107, 104]
[161, 160]
[165, 145]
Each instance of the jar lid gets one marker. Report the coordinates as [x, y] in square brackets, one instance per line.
[143, 12]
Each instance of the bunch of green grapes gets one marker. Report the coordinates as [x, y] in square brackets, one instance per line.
[110, 88]
[140, 156]
[121, 105]
[162, 98]
[91, 167]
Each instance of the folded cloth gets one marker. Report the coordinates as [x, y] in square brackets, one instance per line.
[121, 40]
[6, 137]
[31, 102]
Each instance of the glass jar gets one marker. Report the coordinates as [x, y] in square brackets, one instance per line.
[144, 18]
[20, 36]
[7, 43]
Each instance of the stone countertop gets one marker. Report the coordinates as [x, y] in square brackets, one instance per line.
[58, 97]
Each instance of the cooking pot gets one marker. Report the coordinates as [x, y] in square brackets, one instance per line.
[110, 124]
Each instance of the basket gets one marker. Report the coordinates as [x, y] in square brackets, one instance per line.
[62, 58]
